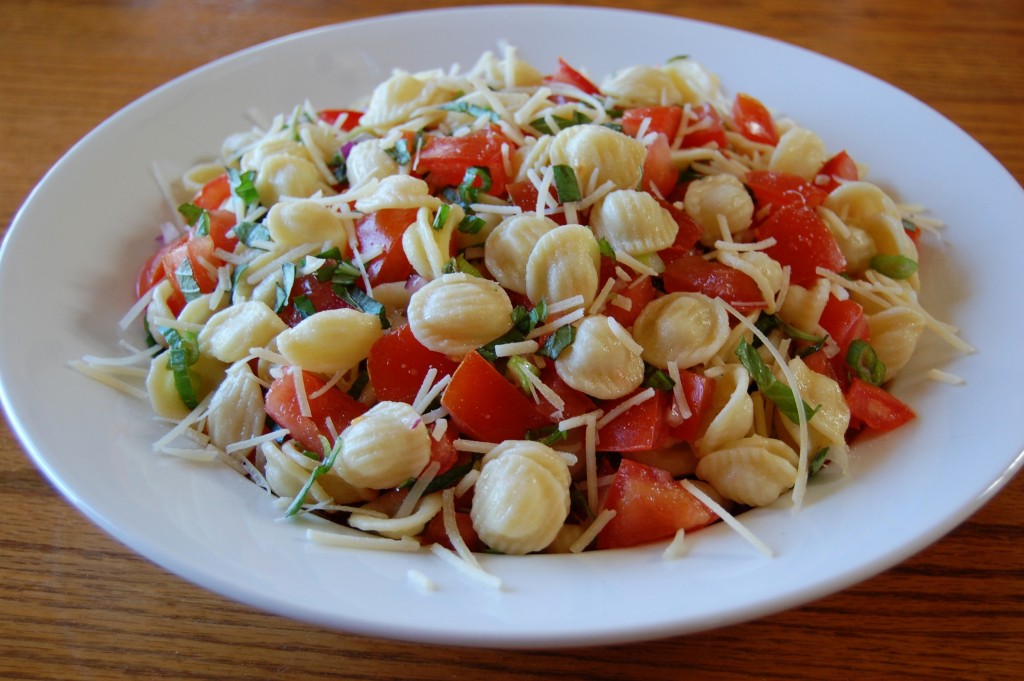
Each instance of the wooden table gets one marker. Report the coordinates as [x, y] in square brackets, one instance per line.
[75, 604]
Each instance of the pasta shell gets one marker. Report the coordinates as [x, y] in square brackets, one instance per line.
[396, 528]
[803, 306]
[799, 152]
[427, 248]
[642, 86]
[634, 222]
[400, 97]
[369, 161]
[753, 471]
[762, 268]
[236, 409]
[599, 362]
[458, 313]
[521, 498]
[398, 191]
[330, 341]
[719, 195]
[685, 328]
[292, 223]
[696, 84]
[283, 175]
[509, 245]
[894, 336]
[732, 411]
[384, 448]
[599, 154]
[232, 332]
[565, 262]
[206, 374]
[832, 418]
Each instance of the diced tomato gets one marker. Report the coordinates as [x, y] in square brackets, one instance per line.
[319, 294]
[686, 238]
[576, 403]
[351, 120]
[153, 270]
[698, 390]
[649, 505]
[570, 76]
[382, 230]
[436, 534]
[486, 406]
[282, 405]
[443, 451]
[833, 367]
[662, 119]
[201, 255]
[659, 175]
[844, 321]
[803, 242]
[523, 194]
[753, 120]
[875, 407]
[639, 293]
[444, 160]
[637, 429]
[715, 280]
[221, 224]
[782, 189]
[839, 167]
[214, 193]
[398, 363]
[706, 130]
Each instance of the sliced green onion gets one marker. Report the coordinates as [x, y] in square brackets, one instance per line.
[477, 179]
[562, 338]
[304, 306]
[894, 266]
[565, 184]
[864, 362]
[772, 388]
[442, 217]
[605, 248]
[471, 224]
[518, 368]
[657, 379]
[548, 435]
[817, 462]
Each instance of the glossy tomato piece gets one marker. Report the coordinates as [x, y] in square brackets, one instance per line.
[875, 407]
[844, 321]
[282, 406]
[803, 242]
[153, 270]
[698, 390]
[715, 280]
[753, 120]
[221, 224]
[204, 262]
[349, 117]
[660, 119]
[639, 293]
[443, 161]
[649, 506]
[486, 406]
[705, 130]
[639, 428]
[782, 189]
[833, 367]
[839, 167]
[442, 450]
[319, 294]
[660, 176]
[435, 532]
[570, 76]
[576, 402]
[398, 363]
[382, 231]
[214, 193]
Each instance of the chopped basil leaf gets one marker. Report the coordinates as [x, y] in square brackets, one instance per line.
[566, 185]
[471, 224]
[323, 469]
[356, 389]
[678, 57]
[561, 123]
[283, 290]
[471, 110]
[182, 353]
[442, 217]
[523, 322]
[187, 280]
[538, 315]
[339, 168]
[358, 299]
[304, 306]
[910, 227]
[400, 152]
[548, 435]
[190, 212]
[766, 323]
[606, 248]
[460, 264]
[449, 478]
[330, 254]
[242, 186]
[894, 266]
[817, 462]
[251, 232]
[772, 388]
[518, 367]
[864, 362]
[657, 379]
[558, 341]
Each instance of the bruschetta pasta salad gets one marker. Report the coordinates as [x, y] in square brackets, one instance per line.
[514, 311]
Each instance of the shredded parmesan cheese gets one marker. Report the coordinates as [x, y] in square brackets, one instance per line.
[589, 534]
[728, 518]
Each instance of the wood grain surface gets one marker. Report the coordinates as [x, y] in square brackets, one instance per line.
[75, 604]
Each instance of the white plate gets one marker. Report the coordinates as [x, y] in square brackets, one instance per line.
[70, 258]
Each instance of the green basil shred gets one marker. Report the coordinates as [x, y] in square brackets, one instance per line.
[772, 388]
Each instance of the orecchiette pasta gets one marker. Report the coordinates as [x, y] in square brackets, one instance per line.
[753, 471]
[894, 335]
[564, 263]
[285, 175]
[458, 313]
[685, 328]
[634, 222]
[598, 154]
[639, 85]
[719, 195]
[732, 409]
[236, 409]
[599, 363]
[521, 498]
[385, 447]
[291, 223]
[799, 152]
[232, 332]
[369, 160]
[509, 245]
[330, 341]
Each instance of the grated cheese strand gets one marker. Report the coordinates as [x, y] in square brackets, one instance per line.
[727, 518]
[589, 534]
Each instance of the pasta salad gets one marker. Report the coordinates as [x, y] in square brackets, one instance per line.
[514, 311]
